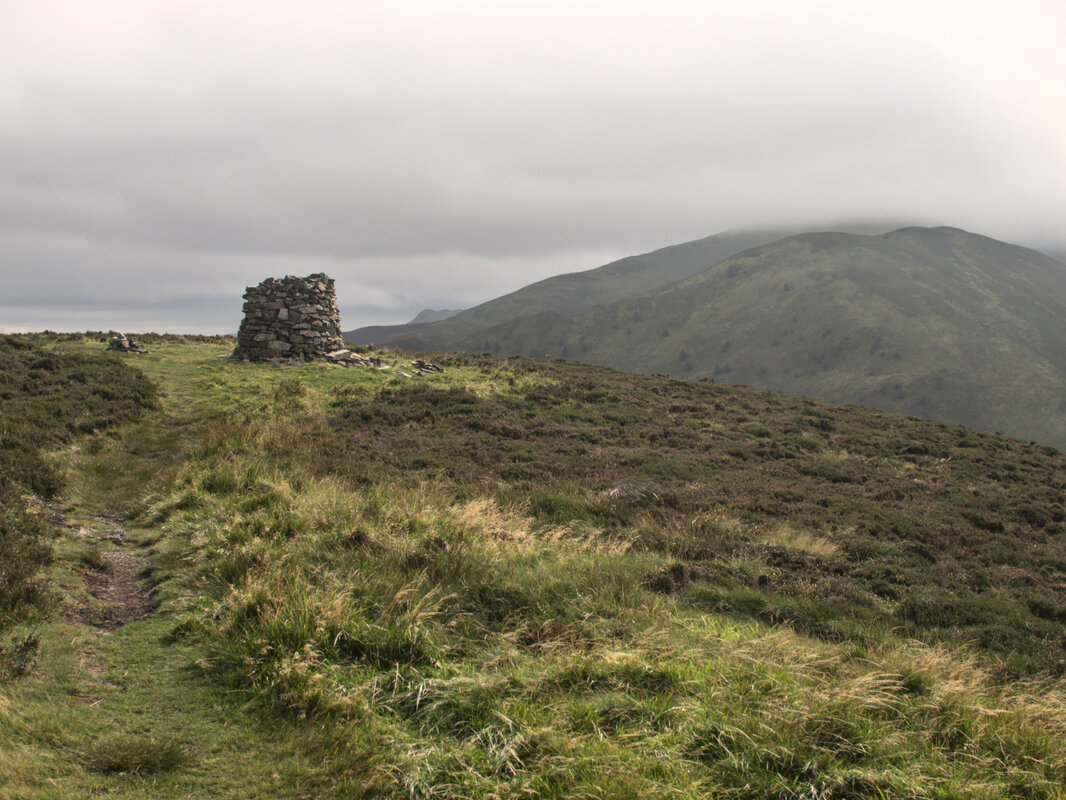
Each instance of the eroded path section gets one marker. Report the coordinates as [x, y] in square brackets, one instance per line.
[115, 570]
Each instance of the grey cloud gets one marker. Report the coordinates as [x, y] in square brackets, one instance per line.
[455, 152]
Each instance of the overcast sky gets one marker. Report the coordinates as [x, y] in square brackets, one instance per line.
[157, 157]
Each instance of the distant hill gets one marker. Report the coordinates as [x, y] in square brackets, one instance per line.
[435, 315]
[577, 290]
[376, 334]
[373, 334]
[933, 322]
[1057, 253]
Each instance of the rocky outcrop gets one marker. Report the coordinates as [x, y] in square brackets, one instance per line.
[292, 319]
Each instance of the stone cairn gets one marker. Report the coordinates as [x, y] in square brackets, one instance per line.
[292, 319]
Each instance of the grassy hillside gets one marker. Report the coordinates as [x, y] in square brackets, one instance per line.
[932, 322]
[606, 284]
[51, 396]
[528, 578]
[46, 398]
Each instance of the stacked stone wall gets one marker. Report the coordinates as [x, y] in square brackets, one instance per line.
[290, 319]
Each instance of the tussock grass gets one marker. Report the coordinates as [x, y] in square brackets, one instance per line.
[785, 536]
[492, 656]
[134, 755]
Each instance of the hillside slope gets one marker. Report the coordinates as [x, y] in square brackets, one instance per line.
[528, 578]
[577, 290]
[933, 322]
[371, 334]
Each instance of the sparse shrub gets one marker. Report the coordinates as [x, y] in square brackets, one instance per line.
[557, 508]
[18, 656]
[24, 551]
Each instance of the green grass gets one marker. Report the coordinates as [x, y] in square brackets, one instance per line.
[526, 578]
[123, 716]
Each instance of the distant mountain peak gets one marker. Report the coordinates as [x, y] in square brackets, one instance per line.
[434, 315]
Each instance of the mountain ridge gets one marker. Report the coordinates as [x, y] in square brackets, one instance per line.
[935, 322]
[574, 290]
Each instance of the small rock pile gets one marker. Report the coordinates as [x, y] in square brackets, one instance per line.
[426, 367]
[120, 344]
[292, 319]
[350, 358]
[421, 368]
